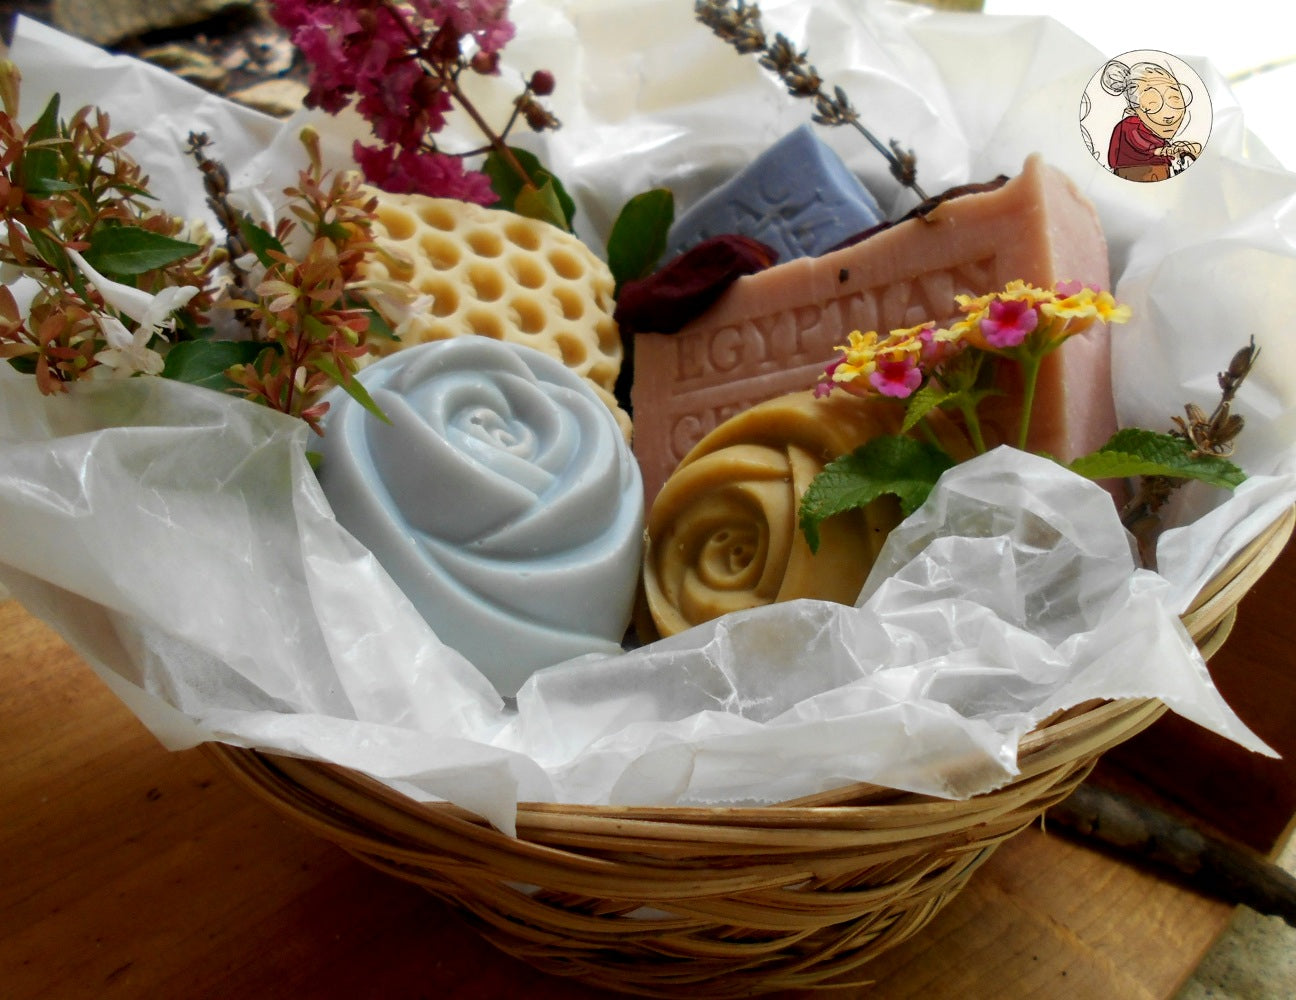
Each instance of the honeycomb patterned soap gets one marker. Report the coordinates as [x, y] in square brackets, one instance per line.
[501, 276]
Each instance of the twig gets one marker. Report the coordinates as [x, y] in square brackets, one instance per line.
[1228, 872]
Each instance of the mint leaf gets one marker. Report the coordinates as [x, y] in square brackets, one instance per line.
[508, 185]
[204, 362]
[1137, 452]
[922, 402]
[123, 251]
[638, 237]
[901, 466]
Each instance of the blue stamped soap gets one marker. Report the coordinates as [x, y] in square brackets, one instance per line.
[797, 197]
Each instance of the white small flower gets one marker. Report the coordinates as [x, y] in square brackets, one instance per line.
[395, 301]
[194, 231]
[151, 312]
[127, 353]
[251, 200]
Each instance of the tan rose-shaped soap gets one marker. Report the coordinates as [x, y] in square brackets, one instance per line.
[723, 533]
[500, 496]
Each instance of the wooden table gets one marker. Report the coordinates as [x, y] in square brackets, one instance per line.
[128, 871]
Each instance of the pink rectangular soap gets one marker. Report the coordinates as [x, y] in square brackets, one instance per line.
[772, 332]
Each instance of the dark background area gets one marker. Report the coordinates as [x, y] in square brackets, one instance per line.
[230, 47]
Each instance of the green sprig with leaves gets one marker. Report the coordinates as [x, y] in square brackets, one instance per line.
[309, 327]
[118, 278]
[125, 288]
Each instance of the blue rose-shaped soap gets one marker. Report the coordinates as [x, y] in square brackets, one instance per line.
[501, 498]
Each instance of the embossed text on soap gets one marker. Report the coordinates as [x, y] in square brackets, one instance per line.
[758, 347]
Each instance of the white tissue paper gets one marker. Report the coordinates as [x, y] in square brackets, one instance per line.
[180, 542]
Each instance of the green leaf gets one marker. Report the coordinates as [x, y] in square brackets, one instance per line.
[933, 395]
[334, 231]
[508, 185]
[316, 328]
[259, 240]
[1137, 452]
[902, 466]
[40, 163]
[352, 387]
[50, 185]
[378, 325]
[204, 362]
[187, 327]
[922, 402]
[128, 250]
[638, 237]
[541, 203]
[53, 254]
[135, 191]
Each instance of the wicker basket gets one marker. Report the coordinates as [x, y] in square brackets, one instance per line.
[719, 902]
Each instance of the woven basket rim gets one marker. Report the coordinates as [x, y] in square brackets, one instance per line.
[740, 900]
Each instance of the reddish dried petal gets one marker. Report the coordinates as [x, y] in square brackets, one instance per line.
[687, 286]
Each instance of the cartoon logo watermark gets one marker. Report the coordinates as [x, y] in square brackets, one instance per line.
[1145, 115]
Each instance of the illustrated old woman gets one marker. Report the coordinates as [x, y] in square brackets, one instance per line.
[1143, 147]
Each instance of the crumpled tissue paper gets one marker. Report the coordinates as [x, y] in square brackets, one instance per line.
[180, 542]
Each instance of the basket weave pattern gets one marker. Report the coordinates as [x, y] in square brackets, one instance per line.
[720, 902]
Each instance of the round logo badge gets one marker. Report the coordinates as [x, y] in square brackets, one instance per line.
[1145, 115]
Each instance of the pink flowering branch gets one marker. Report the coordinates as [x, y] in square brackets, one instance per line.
[401, 62]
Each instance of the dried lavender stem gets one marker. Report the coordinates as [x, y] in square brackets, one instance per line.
[216, 186]
[740, 25]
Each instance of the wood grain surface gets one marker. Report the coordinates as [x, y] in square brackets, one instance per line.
[128, 871]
